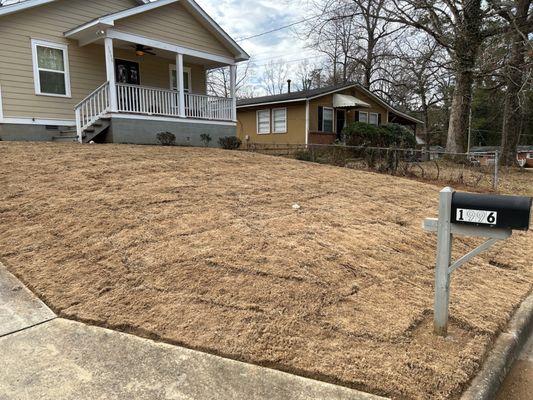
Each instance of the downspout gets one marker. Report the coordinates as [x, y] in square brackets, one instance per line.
[1, 106]
[306, 123]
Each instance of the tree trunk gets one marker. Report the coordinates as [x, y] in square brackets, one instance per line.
[466, 46]
[460, 111]
[512, 112]
[427, 136]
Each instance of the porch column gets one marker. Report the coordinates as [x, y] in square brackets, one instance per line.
[181, 87]
[110, 72]
[233, 85]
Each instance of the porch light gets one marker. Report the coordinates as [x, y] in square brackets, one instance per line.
[140, 53]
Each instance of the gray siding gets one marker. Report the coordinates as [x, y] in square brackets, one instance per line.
[145, 131]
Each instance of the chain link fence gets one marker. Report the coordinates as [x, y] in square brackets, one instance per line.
[470, 170]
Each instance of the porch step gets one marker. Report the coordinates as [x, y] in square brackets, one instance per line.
[64, 138]
[95, 129]
[69, 131]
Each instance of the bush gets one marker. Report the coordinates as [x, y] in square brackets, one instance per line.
[303, 155]
[399, 136]
[387, 137]
[362, 134]
[390, 135]
[166, 138]
[205, 138]
[230, 142]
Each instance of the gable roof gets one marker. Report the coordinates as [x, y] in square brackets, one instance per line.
[304, 95]
[143, 6]
[191, 6]
[25, 4]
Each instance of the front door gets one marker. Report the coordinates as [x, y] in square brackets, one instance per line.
[340, 117]
[127, 72]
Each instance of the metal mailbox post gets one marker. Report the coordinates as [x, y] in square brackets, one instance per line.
[493, 217]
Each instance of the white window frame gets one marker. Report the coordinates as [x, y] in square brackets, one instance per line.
[273, 125]
[36, 77]
[332, 118]
[188, 70]
[269, 121]
[377, 118]
[359, 117]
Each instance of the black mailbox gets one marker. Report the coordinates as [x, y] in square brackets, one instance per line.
[508, 212]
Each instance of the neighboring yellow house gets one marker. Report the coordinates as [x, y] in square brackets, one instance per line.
[113, 70]
[313, 117]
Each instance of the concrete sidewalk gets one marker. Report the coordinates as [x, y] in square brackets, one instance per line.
[43, 357]
[518, 385]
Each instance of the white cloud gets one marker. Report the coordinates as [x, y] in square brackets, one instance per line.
[242, 19]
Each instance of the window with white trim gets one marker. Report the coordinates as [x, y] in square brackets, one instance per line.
[373, 118]
[263, 122]
[327, 119]
[363, 117]
[279, 120]
[50, 68]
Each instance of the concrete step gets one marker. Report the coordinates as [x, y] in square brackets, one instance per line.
[65, 138]
[68, 131]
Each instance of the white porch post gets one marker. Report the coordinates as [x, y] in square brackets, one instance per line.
[233, 85]
[181, 86]
[110, 72]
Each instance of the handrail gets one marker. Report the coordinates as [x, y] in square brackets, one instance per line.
[147, 87]
[92, 108]
[90, 94]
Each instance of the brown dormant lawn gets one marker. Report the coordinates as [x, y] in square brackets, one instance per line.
[203, 248]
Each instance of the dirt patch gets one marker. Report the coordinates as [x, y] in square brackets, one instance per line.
[203, 248]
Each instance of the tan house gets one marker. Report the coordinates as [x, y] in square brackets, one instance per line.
[113, 70]
[313, 117]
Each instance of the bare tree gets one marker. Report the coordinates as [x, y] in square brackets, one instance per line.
[459, 26]
[308, 76]
[416, 77]
[218, 80]
[274, 77]
[519, 15]
[355, 37]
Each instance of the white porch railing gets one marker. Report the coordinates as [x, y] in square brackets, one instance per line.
[92, 108]
[146, 100]
[208, 107]
[164, 102]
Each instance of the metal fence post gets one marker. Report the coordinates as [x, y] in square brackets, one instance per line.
[444, 250]
[496, 170]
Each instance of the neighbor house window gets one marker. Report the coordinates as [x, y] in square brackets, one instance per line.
[263, 121]
[363, 117]
[327, 119]
[373, 118]
[50, 68]
[279, 120]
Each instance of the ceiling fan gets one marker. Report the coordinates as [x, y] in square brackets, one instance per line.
[141, 50]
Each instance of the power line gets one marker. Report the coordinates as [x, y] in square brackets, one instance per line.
[277, 29]
[295, 23]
